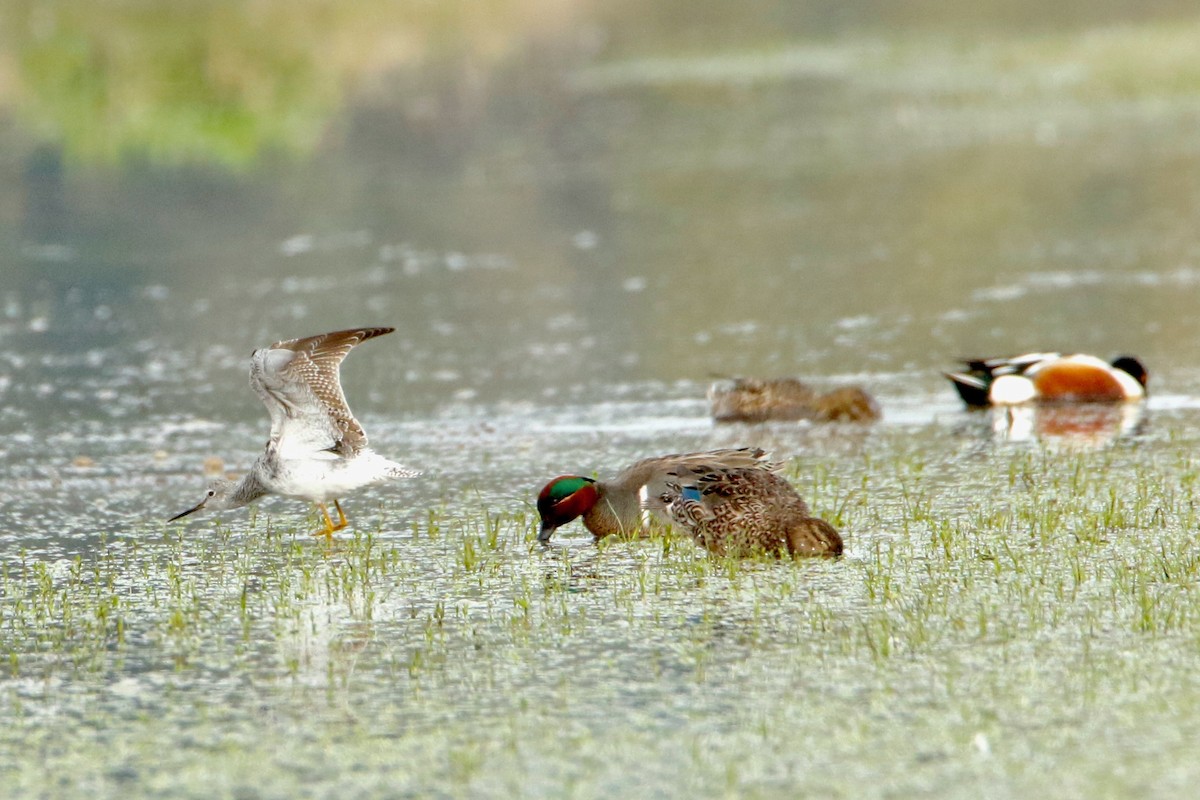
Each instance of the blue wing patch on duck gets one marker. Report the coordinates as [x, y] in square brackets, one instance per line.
[742, 512]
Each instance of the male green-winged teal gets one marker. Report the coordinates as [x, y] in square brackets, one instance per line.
[1049, 377]
[788, 399]
[615, 506]
[741, 512]
[730, 500]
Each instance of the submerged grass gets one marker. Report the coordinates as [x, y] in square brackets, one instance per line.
[1003, 617]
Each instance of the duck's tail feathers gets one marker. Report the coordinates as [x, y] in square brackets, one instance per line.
[972, 389]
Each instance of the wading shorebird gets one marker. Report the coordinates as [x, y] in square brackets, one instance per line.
[317, 450]
[730, 501]
[1049, 378]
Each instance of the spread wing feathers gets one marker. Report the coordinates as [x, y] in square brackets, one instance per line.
[649, 477]
[299, 382]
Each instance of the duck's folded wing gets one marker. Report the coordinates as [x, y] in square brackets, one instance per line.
[744, 498]
[652, 475]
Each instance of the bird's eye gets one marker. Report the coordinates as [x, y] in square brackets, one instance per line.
[211, 492]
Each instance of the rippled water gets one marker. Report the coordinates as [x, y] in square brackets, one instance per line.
[577, 217]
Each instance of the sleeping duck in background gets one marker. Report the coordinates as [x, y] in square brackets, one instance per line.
[788, 399]
[1051, 378]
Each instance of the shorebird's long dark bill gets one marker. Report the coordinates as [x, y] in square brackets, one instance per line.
[191, 510]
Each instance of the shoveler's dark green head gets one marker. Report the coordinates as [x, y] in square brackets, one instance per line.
[562, 500]
[1134, 367]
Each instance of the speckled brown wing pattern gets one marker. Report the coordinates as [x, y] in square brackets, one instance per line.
[753, 400]
[788, 399]
[300, 379]
[653, 473]
[744, 511]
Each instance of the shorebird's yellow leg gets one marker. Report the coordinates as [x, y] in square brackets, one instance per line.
[329, 528]
[341, 523]
[330, 525]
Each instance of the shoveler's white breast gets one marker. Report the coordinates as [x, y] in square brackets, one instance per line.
[1130, 385]
[1009, 390]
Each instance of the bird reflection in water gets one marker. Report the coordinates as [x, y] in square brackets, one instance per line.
[1085, 426]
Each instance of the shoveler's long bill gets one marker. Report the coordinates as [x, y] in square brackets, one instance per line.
[1067, 381]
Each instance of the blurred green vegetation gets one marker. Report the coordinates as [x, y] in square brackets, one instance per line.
[166, 81]
[1136, 60]
[221, 81]
[226, 82]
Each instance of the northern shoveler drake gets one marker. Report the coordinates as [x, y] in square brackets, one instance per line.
[615, 506]
[1049, 377]
[742, 512]
[788, 399]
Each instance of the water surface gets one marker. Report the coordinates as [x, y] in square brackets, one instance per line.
[576, 216]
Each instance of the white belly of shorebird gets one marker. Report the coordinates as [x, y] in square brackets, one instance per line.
[322, 480]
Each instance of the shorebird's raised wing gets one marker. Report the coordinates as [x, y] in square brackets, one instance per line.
[299, 383]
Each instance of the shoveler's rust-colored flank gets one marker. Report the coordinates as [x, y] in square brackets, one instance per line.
[1071, 382]
[788, 399]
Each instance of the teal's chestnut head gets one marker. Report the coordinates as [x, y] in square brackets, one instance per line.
[562, 500]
